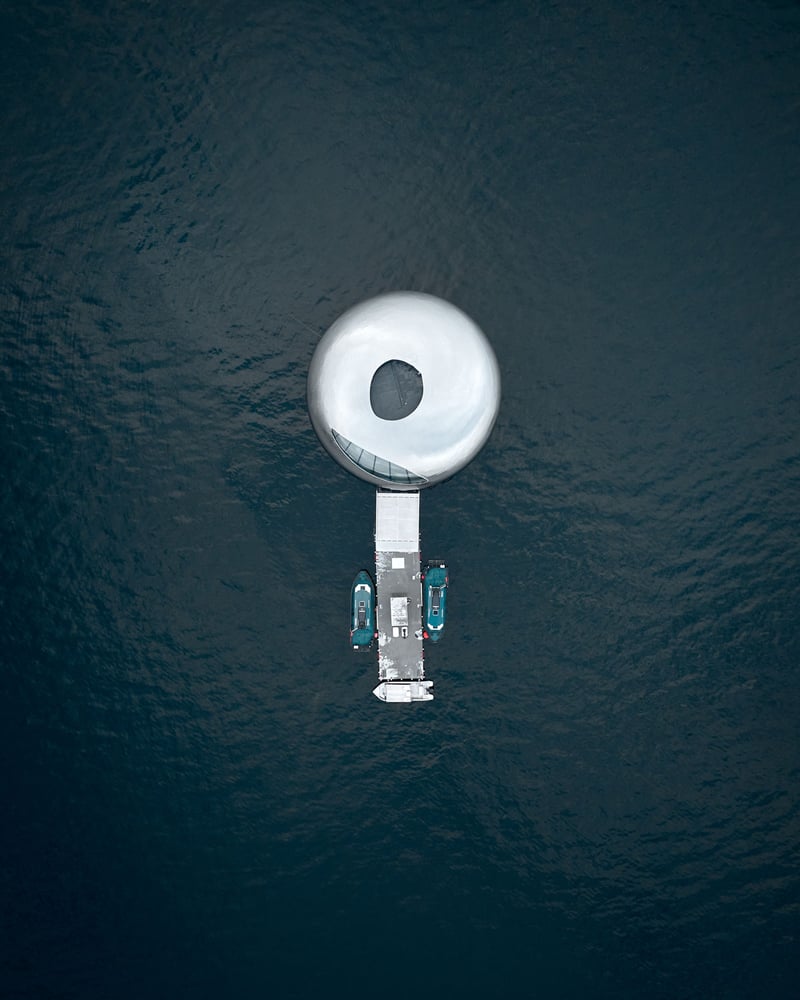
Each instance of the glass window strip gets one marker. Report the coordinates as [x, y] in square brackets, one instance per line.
[367, 461]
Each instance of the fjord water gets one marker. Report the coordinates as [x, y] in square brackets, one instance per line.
[201, 796]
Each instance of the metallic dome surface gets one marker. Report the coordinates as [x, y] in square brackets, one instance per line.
[460, 390]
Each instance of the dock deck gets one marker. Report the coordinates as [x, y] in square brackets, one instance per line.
[399, 598]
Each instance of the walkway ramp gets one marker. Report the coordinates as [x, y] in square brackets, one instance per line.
[399, 599]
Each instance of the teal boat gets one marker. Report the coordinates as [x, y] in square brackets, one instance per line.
[362, 612]
[434, 599]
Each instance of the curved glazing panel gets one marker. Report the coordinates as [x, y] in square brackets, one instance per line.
[374, 465]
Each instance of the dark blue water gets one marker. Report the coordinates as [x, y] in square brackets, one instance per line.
[201, 797]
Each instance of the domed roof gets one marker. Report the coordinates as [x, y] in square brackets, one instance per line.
[403, 390]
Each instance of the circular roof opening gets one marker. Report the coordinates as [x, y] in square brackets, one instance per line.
[395, 391]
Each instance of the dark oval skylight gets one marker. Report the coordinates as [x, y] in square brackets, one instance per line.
[396, 390]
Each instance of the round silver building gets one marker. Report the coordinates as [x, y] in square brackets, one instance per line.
[403, 390]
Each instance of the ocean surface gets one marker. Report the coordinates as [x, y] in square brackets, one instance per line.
[200, 795]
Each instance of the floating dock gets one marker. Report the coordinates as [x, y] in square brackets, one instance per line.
[401, 671]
